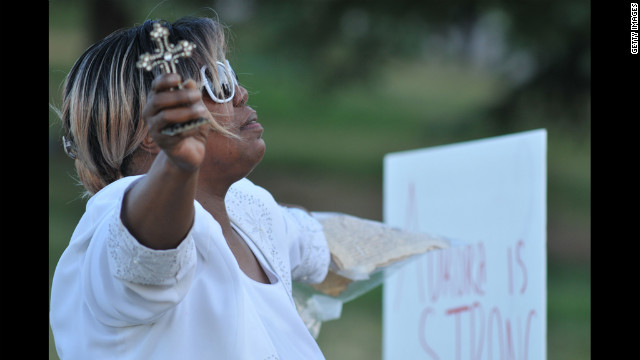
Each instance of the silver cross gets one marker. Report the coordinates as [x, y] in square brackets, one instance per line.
[166, 56]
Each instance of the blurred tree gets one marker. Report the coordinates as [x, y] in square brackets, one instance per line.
[542, 48]
[558, 35]
[107, 16]
[546, 54]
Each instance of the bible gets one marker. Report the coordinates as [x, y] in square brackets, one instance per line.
[360, 248]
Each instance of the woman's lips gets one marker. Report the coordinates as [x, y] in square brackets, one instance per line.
[252, 122]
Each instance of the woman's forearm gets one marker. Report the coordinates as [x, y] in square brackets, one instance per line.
[158, 210]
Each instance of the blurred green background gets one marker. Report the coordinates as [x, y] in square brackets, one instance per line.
[338, 84]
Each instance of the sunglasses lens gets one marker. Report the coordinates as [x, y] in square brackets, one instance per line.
[225, 82]
[223, 89]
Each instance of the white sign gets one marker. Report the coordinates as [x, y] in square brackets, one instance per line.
[484, 298]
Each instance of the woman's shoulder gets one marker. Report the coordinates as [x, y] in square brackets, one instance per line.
[244, 184]
[246, 200]
[118, 186]
[111, 194]
[246, 188]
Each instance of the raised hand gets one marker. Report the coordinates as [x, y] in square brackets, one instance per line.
[170, 106]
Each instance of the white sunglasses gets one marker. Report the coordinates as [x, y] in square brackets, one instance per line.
[227, 82]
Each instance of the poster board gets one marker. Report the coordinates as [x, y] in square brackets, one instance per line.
[485, 297]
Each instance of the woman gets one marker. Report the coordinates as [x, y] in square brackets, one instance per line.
[178, 255]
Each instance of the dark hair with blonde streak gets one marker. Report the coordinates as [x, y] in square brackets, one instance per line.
[104, 94]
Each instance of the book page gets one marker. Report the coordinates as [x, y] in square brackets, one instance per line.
[360, 245]
[333, 284]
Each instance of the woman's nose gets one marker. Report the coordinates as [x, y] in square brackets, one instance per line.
[241, 97]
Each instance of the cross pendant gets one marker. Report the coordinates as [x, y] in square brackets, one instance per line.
[166, 56]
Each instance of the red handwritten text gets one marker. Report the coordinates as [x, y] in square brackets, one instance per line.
[482, 334]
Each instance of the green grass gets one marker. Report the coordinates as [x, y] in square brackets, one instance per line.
[357, 335]
[569, 311]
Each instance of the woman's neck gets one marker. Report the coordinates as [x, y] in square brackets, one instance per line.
[214, 203]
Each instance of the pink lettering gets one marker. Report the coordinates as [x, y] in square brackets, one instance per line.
[455, 272]
[495, 313]
[527, 334]
[477, 355]
[522, 266]
[457, 311]
[422, 334]
[510, 271]
[502, 339]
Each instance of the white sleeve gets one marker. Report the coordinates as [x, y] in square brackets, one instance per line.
[309, 252]
[126, 283]
[135, 263]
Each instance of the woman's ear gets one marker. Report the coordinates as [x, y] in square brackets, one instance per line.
[149, 145]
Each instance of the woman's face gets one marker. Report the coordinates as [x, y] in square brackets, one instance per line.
[228, 157]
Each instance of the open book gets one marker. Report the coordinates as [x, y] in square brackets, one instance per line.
[359, 247]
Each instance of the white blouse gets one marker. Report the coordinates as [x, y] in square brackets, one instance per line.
[113, 298]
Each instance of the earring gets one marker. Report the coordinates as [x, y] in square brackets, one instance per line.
[69, 147]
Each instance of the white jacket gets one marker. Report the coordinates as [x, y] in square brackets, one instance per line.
[113, 298]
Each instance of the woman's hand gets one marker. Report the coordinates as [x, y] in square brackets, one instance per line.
[168, 105]
[158, 210]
